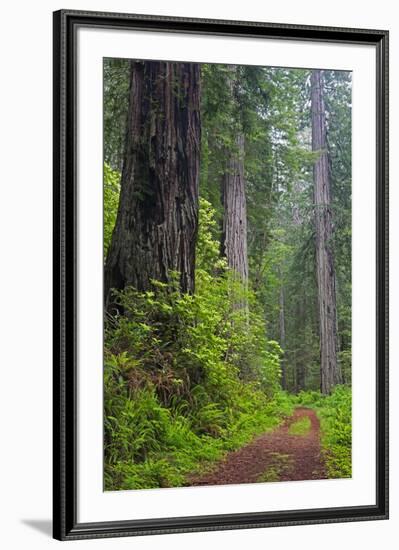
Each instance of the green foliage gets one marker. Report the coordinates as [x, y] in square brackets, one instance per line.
[116, 100]
[208, 248]
[336, 426]
[111, 201]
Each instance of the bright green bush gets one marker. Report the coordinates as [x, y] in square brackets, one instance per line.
[111, 201]
[336, 426]
[310, 398]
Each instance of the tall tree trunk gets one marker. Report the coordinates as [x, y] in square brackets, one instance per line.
[234, 237]
[300, 378]
[282, 336]
[300, 374]
[157, 220]
[325, 270]
[234, 231]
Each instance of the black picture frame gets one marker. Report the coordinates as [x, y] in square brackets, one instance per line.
[66, 526]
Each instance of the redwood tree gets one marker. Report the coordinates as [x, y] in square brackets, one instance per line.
[325, 269]
[234, 233]
[282, 334]
[157, 221]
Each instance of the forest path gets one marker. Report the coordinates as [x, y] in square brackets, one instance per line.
[289, 453]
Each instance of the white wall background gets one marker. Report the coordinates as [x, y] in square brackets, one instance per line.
[25, 303]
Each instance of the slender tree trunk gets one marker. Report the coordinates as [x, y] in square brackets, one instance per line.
[282, 336]
[234, 233]
[300, 375]
[300, 355]
[325, 270]
[157, 220]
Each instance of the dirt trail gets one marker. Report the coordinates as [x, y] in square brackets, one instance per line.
[274, 456]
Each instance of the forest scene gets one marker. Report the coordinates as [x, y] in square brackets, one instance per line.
[227, 274]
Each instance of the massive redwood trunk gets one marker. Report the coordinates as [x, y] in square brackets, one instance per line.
[157, 221]
[325, 270]
[234, 232]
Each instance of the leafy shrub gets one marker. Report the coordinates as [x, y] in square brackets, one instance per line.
[111, 201]
[336, 425]
[310, 399]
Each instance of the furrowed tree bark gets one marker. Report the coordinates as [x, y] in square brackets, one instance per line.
[234, 240]
[157, 221]
[325, 271]
[234, 231]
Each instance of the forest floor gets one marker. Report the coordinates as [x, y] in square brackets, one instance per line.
[292, 452]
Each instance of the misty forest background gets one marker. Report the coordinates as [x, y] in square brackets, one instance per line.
[227, 253]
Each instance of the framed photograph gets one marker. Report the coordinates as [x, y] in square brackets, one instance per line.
[220, 274]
